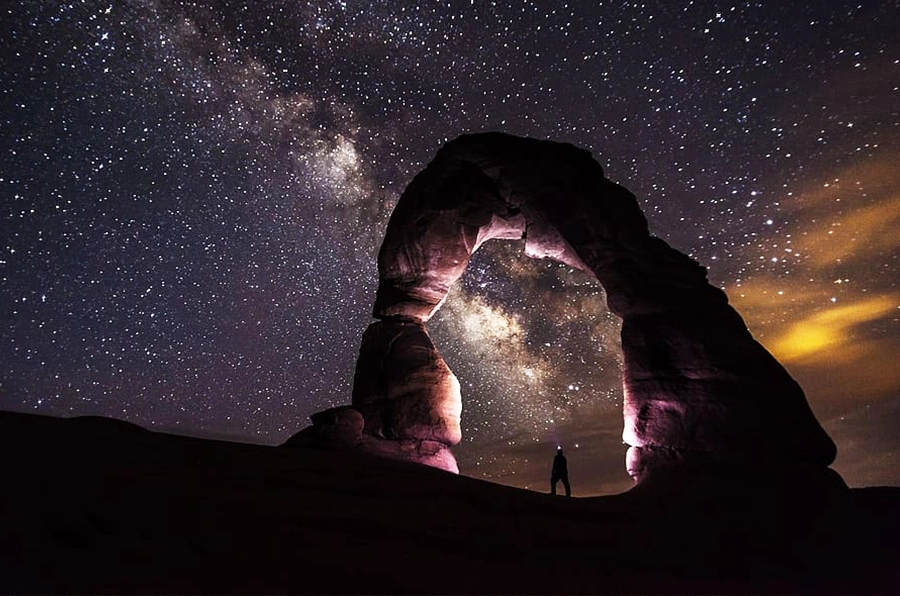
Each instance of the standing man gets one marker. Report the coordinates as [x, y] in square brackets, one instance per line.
[560, 472]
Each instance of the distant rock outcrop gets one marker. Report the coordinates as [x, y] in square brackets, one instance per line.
[698, 387]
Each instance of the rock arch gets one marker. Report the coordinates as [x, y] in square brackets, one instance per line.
[698, 387]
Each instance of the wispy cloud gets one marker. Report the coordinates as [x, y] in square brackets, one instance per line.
[853, 216]
[828, 335]
[833, 319]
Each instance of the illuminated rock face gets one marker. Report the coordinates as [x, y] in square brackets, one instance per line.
[403, 388]
[698, 387]
[341, 429]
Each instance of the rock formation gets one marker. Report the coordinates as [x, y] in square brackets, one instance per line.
[698, 387]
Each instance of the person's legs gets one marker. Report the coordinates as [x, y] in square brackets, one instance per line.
[553, 481]
[565, 480]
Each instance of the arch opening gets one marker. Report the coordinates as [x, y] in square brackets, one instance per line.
[538, 358]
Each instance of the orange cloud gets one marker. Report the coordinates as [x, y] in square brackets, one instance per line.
[828, 335]
[832, 320]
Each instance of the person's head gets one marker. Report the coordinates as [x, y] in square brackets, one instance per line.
[559, 449]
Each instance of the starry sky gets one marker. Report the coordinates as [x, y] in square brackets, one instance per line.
[192, 197]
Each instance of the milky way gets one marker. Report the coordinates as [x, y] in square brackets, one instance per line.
[193, 196]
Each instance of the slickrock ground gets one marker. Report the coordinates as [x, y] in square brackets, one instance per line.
[92, 505]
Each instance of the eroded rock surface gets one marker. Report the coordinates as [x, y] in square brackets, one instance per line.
[403, 387]
[697, 385]
[406, 401]
[341, 429]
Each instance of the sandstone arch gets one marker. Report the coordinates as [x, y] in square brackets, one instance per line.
[698, 387]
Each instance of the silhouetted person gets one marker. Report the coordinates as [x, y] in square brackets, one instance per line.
[560, 472]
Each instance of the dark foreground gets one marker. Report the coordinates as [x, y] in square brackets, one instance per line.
[99, 506]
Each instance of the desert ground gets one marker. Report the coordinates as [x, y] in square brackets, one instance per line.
[94, 505]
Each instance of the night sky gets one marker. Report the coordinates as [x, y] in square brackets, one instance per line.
[192, 197]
